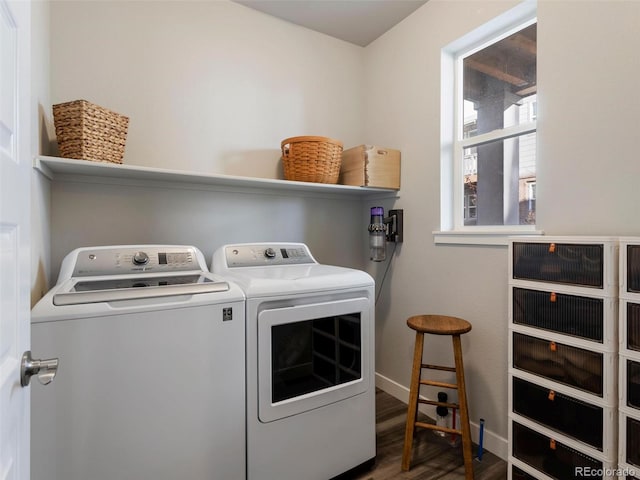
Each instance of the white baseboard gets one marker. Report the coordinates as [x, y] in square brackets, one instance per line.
[492, 442]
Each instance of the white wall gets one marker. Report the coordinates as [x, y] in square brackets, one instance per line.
[209, 86]
[587, 117]
[41, 134]
[84, 214]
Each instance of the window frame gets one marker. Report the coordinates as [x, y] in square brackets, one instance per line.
[452, 228]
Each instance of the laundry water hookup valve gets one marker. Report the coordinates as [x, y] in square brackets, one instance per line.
[382, 230]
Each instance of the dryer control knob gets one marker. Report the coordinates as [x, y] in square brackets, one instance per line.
[140, 258]
[270, 253]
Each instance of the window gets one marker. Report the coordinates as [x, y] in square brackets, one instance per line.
[489, 100]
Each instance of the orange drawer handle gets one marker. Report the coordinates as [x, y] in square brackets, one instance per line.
[553, 347]
[553, 297]
[552, 395]
[552, 248]
[552, 444]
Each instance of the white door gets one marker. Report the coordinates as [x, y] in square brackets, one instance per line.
[316, 356]
[15, 171]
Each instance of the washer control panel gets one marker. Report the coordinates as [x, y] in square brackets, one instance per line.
[259, 255]
[134, 260]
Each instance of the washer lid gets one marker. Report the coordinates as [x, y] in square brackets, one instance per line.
[296, 279]
[109, 289]
[110, 273]
[271, 269]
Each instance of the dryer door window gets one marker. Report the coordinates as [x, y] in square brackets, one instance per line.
[311, 355]
[315, 354]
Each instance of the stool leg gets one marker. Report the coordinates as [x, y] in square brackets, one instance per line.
[412, 409]
[464, 412]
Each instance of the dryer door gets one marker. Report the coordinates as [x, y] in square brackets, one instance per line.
[312, 355]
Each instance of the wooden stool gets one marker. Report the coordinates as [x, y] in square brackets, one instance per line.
[438, 325]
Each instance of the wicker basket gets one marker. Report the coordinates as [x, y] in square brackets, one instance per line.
[90, 132]
[311, 159]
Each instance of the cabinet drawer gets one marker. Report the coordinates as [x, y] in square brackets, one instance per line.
[567, 263]
[631, 267]
[630, 441]
[572, 417]
[630, 380]
[583, 317]
[553, 458]
[631, 325]
[572, 366]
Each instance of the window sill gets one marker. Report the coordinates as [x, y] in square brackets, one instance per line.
[498, 237]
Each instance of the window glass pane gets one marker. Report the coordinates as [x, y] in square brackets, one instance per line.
[496, 82]
[499, 182]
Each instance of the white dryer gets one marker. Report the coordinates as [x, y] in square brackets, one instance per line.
[310, 361]
[151, 373]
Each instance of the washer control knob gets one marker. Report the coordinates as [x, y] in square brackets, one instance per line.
[140, 258]
[270, 253]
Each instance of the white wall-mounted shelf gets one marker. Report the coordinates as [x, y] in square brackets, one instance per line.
[56, 168]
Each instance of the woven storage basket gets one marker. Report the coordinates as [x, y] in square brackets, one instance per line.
[90, 132]
[311, 159]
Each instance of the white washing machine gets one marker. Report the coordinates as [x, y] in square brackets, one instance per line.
[310, 361]
[151, 380]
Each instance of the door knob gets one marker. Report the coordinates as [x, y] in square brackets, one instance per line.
[44, 369]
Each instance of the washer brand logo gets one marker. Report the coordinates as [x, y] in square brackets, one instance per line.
[227, 314]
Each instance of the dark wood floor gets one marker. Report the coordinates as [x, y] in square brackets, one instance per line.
[433, 457]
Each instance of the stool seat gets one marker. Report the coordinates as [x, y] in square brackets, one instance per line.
[438, 324]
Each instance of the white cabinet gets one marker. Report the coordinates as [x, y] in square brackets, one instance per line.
[629, 380]
[563, 357]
